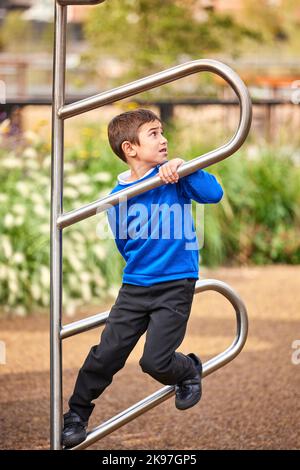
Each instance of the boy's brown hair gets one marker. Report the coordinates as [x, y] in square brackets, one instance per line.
[125, 126]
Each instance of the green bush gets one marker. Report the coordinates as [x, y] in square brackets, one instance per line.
[91, 266]
[257, 221]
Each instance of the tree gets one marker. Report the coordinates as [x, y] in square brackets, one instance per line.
[278, 23]
[15, 33]
[150, 35]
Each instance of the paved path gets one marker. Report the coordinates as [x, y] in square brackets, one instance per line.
[252, 403]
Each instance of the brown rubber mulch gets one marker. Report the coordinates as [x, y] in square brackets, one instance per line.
[251, 403]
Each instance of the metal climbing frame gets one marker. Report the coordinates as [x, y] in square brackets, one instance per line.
[60, 220]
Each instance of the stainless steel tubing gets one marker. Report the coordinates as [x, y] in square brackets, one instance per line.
[56, 233]
[158, 79]
[60, 220]
[210, 366]
[147, 83]
[85, 324]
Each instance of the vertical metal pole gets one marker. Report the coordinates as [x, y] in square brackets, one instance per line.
[58, 96]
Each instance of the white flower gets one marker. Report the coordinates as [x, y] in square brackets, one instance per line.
[40, 210]
[85, 277]
[9, 221]
[18, 258]
[30, 152]
[11, 163]
[3, 198]
[44, 229]
[99, 281]
[36, 291]
[253, 152]
[69, 166]
[43, 180]
[13, 283]
[84, 189]
[24, 188]
[74, 262]
[78, 179]
[6, 246]
[32, 164]
[31, 136]
[99, 251]
[19, 221]
[45, 276]
[45, 298]
[103, 177]
[37, 198]
[73, 282]
[3, 272]
[70, 193]
[18, 209]
[86, 292]
[47, 162]
[23, 275]
[132, 18]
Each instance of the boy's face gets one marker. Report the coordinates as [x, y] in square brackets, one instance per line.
[153, 147]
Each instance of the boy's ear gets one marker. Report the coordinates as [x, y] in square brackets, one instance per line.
[128, 149]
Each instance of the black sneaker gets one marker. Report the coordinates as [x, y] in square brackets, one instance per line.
[74, 430]
[188, 392]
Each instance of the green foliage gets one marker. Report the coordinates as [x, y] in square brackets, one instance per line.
[257, 221]
[277, 23]
[20, 35]
[148, 36]
[91, 265]
[15, 33]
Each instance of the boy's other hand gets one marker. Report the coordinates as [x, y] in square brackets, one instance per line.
[168, 171]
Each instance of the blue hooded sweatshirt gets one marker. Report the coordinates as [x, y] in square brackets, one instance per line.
[154, 231]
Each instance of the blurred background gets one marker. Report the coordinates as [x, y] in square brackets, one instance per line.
[258, 221]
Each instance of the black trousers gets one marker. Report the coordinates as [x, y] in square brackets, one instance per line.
[163, 311]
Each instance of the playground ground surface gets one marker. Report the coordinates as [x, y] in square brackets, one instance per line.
[251, 403]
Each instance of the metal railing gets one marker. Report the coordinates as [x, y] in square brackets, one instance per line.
[60, 220]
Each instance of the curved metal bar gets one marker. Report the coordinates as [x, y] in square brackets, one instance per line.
[241, 322]
[158, 79]
[147, 83]
[208, 367]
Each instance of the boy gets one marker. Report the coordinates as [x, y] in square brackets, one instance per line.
[160, 273]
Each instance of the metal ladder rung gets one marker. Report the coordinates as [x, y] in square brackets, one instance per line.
[85, 324]
[150, 82]
[100, 205]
